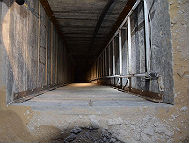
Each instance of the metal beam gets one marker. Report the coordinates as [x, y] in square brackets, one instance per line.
[147, 36]
[113, 58]
[101, 18]
[82, 12]
[79, 18]
[103, 64]
[83, 26]
[129, 47]
[49, 12]
[120, 54]
[104, 61]
[121, 17]
[109, 60]
[128, 7]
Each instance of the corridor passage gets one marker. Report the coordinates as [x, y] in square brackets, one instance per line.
[84, 96]
[94, 71]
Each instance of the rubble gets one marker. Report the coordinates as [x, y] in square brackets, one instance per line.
[88, 135]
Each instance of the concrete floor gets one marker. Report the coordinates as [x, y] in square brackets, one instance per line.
[86, 96]
[128, 117]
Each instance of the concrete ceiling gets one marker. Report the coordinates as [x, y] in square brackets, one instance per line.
[78, 19]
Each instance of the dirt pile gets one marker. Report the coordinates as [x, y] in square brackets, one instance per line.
[87, 135]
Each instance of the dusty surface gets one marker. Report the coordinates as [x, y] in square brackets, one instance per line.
[137, 120]
[12, 128]
[85, 96]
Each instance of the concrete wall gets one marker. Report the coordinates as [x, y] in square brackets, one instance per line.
[161, 51]
[33, 55]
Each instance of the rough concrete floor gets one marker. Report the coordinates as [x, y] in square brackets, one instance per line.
[87, 96]
[50, 117]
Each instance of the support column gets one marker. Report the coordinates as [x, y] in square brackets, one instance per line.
[113, 48]
[120, 58]
[38, 49]
[105, 65]
[147, 36]
[129, 45]
[52, 30]
[120, 54]
[109, 60]
[129, 70]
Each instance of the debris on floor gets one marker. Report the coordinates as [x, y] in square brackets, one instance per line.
[88, 135]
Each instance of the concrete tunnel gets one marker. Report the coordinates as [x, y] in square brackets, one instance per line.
[110, 71]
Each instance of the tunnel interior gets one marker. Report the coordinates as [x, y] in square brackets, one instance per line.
[52, 43]
[107, 71]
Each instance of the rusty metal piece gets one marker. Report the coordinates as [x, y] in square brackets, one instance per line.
[23, 96]
[148, 95]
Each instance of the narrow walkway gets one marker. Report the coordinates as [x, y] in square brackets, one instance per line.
[85, 96]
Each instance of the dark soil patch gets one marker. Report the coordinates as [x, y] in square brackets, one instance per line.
[87, 135]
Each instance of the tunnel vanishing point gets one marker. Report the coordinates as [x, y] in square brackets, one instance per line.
[94, 71]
